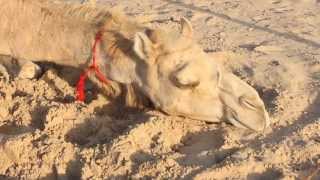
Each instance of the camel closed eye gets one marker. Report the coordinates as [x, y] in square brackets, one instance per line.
[184, 82]
[184, 78]
[189, 85]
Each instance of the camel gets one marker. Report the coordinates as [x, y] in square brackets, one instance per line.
[164, 67]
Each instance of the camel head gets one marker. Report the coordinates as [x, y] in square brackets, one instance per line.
[181, 79]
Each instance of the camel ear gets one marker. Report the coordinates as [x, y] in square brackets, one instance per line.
[142, 46]
[186, 28]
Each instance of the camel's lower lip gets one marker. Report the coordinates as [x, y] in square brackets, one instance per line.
[201, 118]
[240, 124]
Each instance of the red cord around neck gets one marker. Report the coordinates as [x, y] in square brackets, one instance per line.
[80, 92]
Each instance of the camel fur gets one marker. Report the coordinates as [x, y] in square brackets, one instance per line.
[165, 67]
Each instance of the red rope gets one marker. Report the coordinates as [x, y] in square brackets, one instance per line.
[80, 92]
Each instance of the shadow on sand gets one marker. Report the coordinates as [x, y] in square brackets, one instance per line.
[285, 35]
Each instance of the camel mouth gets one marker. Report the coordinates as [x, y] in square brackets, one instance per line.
[241, 124]
[234, 121]
[201, 118]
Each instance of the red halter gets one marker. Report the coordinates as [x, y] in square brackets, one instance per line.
[80, 93]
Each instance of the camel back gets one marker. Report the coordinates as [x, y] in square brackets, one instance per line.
[41, 30]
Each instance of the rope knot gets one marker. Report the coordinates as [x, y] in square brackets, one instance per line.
[80, 92]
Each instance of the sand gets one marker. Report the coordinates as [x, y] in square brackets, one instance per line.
[274, 45]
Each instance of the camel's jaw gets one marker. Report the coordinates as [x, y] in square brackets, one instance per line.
[252, 119]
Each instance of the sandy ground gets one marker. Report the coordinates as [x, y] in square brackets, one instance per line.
[44, 134]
